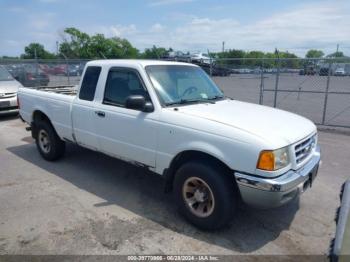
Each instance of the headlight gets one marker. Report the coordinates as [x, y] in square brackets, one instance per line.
[273, 160]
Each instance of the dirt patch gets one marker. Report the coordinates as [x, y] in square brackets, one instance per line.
[114, 232]
[8, 184]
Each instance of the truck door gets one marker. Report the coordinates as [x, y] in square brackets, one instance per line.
[83, 110]
[126, 133]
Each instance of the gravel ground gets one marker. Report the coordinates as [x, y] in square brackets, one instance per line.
[89, 203]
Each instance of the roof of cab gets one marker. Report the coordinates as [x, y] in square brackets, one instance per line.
[126, 62]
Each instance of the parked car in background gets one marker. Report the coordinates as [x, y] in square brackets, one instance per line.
[81, 68]
[216, 70]
[12, 68]
[30, 75]
[73, 70]
[59, 70]
[8, 92]
[340, 72]
[45, 68]
[201, 58]
[308, 70]
[245, 71]
[324, 71]
[178, 56]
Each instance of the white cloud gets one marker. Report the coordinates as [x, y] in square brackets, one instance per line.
[307, 26]
[321, 25]
[123, 31]
[42, 21]
[157, 28]
[169, 2]
[13, 43]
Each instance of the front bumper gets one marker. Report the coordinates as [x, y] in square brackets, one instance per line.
[8, 105]
[273, 192]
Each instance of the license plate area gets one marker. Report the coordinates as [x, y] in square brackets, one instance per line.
[313, 174]
[308, 183]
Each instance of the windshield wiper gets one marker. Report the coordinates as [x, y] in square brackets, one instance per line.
[186, 101]
[215, 97]
[181, 102]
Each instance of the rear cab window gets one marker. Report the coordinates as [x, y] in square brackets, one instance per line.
[88, 86]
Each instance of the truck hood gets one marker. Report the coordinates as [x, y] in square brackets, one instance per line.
[277, 127]
[9, 86]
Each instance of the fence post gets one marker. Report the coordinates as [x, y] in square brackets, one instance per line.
[67, 69]
[261, 98]
[276, 84]
[210, 64]
[37, 80]
[326, 93]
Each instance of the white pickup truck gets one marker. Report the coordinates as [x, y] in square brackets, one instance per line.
[172, 119]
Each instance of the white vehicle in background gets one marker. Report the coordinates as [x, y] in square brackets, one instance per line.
[178, 56]
[8, 92]
[171, 118]
[201, 58]
[340, 72]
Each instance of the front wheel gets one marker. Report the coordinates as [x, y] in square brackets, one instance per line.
[205, 195]
[49, 145]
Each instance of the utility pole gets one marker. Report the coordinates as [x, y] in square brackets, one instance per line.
[223, 46]
[56, 47]
[337, 48]
[36, 67]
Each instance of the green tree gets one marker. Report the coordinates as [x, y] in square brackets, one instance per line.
[36, 50]
[288, 60]
[254, 58]
[233, 54]
[77, 44]
[155, 52]
[313, 53]
[337, 54]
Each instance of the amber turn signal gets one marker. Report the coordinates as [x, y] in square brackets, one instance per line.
[266, 161]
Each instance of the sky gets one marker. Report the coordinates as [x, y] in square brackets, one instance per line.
[187, 25]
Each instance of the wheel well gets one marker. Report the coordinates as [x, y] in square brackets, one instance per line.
[187, 156]
[40, 116]
[37, 117]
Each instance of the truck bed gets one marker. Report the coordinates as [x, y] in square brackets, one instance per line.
[64, 89]
[55, 102]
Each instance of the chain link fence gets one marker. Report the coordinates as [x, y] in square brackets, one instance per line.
[318, 89]
[36, 72]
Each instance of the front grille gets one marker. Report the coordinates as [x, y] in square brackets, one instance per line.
[304, 149]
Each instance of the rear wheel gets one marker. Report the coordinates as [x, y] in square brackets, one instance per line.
[205, 195]
[50, 146]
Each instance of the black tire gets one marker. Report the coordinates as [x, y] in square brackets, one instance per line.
[56, 147]
[223, 189]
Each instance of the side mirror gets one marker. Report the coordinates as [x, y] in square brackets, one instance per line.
[138, 102]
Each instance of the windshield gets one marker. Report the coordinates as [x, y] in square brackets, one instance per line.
[177, 84]
[4, 74]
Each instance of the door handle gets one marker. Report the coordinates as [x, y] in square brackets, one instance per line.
[100, 113]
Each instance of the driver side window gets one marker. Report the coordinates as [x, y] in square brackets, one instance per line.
[122, 83]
